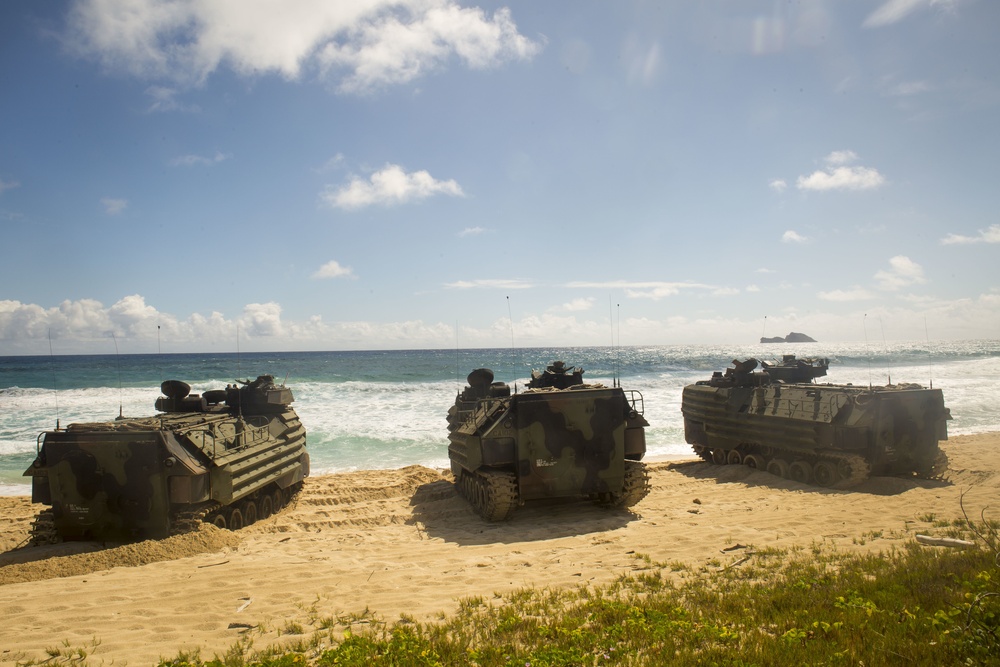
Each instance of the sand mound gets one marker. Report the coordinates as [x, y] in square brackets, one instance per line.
[208, 539]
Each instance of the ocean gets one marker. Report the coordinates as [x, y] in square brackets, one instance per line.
[386, 409]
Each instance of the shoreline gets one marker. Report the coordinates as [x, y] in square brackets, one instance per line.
[401, 542]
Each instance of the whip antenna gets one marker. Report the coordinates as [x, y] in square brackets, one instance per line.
[868, 354]
[618, 352]
[611, 323]
[885, 346]
[239, 366]
[55, 390]
[510, 318]
[159, 353]
[239, 370]
[118, 364]
[929, 365]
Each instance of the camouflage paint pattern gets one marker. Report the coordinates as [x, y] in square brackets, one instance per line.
[130, 479]
[558, 442]
[895, 429]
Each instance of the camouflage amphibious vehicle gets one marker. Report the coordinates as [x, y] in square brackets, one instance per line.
[229, 456]
[778, 420]
[560, 438]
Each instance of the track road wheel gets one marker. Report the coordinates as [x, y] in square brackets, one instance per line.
[754, 461]
[778, 468]
[278, 500]
[266, 507]
[733, 457]
[825, 473]
[852, 470]
[800, 471]
[249, 512]
[719, 457]
[219, 521]
[235, 519]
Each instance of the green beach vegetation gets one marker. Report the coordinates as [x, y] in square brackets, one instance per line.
[914, 605]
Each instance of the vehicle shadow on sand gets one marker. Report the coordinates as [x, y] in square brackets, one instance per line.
[730, 474]
[29, 553]
[440, 512]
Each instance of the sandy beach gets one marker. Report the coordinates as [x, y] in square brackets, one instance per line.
[401, 542]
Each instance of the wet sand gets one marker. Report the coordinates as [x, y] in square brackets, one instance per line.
[401, 542]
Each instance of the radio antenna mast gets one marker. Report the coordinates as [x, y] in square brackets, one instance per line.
[864, 326]
[118, 365]
[618, 350]
[55, 389]
[885, 347]
[510, 319]
[930, 371]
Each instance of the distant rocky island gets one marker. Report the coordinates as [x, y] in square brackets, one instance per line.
[790, 338]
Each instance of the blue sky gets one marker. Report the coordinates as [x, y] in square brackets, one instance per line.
[372, 174]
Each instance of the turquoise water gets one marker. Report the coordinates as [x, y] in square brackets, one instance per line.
[386, 409]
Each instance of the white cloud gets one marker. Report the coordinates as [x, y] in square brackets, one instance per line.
[752, 288]
[471, 231]
[989, 235]
[113, 206]
[130, 312]
[262, 319]
[8, 185]
[194, 160]
[361, 45]
[778, 185]
[765, 270]
[489, 284]
[385, 50]
[578, 305]
[792, 236]
[842, 178]
[838, 176]
[388, 187]
[654, 290]
[855, 294]
[333, 269]
[902, 272]
[894, 11]
[841, 157]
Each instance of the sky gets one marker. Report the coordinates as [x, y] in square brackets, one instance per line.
[265, 175]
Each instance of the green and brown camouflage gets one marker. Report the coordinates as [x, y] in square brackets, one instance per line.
[560, 438]
[228, 456]
[834, 435]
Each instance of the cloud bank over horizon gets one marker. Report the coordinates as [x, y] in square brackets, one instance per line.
[87, 326]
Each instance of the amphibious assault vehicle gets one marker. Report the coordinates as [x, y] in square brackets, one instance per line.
[560, 438]
[229, 456]
[777, 419]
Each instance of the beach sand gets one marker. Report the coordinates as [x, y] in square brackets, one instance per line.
[401, 542]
